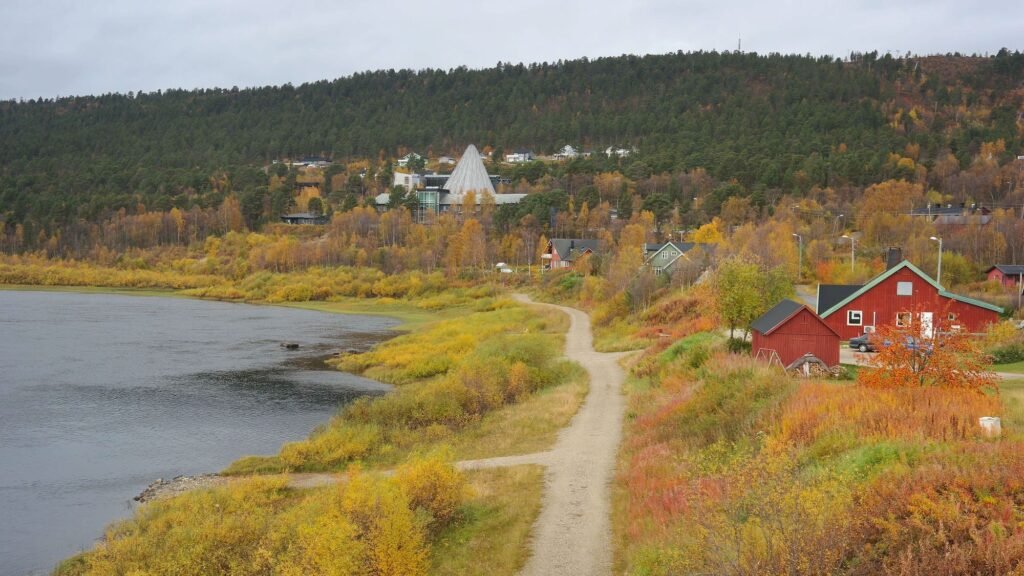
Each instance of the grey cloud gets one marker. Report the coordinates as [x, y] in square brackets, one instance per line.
[55, 47]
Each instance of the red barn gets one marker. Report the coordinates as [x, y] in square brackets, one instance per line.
[1008, 275]
[792, 330]
[905, 296]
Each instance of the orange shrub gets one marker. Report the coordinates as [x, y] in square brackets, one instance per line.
[931, 413]
[949, 360]
[961, 514]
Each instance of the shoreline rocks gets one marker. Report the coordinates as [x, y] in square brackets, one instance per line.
[178, 485]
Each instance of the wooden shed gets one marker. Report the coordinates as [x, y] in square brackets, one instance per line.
[791, 330]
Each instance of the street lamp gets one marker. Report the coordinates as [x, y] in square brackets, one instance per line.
[800, 240]
[853, 255]
[835, 225]
[939, 272]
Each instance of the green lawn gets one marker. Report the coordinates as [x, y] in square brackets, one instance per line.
[1015, 368]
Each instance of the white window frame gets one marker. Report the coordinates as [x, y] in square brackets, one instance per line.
[849, 317]
[908, 316]
[904, 288]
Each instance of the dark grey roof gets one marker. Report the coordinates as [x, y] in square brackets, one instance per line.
[683, 247]
[569, 248]
[948, 210]
[1009, 269]
[776, 316]
[831, 294]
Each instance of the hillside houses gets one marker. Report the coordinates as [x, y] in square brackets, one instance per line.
[520, 156]
[440, 193]
[669, 257]
[953, 214]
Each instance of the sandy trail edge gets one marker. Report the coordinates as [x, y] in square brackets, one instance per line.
[572, 534]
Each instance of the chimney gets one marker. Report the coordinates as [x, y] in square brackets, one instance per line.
[893, 256]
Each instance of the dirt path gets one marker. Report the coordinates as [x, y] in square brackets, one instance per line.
[572, 535]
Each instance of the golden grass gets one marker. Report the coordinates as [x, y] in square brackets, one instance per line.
[412, 316]
[526, 427]
[493, 537]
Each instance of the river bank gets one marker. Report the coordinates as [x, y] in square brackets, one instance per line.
[494, 357]
[104, 393]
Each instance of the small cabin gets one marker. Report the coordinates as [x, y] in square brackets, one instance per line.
[1009, 275]
[790, 331]
[304, 218]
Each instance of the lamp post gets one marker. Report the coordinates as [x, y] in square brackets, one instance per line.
[938, 275]
[800, 240]
[853, 254]
[835, 225]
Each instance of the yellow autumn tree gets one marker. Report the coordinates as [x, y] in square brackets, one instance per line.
[710, 233]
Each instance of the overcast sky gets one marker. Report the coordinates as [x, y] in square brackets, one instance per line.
[59, 48]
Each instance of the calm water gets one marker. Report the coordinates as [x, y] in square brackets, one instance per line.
[102, 394]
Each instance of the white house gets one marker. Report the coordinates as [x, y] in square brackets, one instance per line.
[620, 152]
[410, 181]
[519, 156]
[446, 160]
[410, 157]
[566, 153]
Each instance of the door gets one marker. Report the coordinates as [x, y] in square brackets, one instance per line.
[926, 325]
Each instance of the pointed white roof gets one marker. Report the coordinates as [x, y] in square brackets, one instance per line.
[469, 174]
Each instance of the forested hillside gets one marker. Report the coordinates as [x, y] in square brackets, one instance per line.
[771, 123]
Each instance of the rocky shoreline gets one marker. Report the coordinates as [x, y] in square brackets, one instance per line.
[178, 485]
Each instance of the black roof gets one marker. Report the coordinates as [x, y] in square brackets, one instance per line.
[948, 210]
[831, 294]
[776, 316]
[1009, 269]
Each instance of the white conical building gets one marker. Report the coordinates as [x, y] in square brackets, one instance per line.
[469, 175]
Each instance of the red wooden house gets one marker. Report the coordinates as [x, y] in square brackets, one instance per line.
[563, 252]
[1009, 275]
[792, 330]
[905, 296]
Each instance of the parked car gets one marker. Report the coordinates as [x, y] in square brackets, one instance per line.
[916, 344]
[870, 343]
[863, 343]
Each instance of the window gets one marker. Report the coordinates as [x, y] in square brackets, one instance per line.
[951, 317]
[903, 319]
[904, 288]
[854, 317]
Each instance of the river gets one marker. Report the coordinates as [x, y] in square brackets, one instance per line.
[101, 394]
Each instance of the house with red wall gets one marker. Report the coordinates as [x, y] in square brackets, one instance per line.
[563, 252]
[905, 296]
[792, 330]
[1009, 275]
